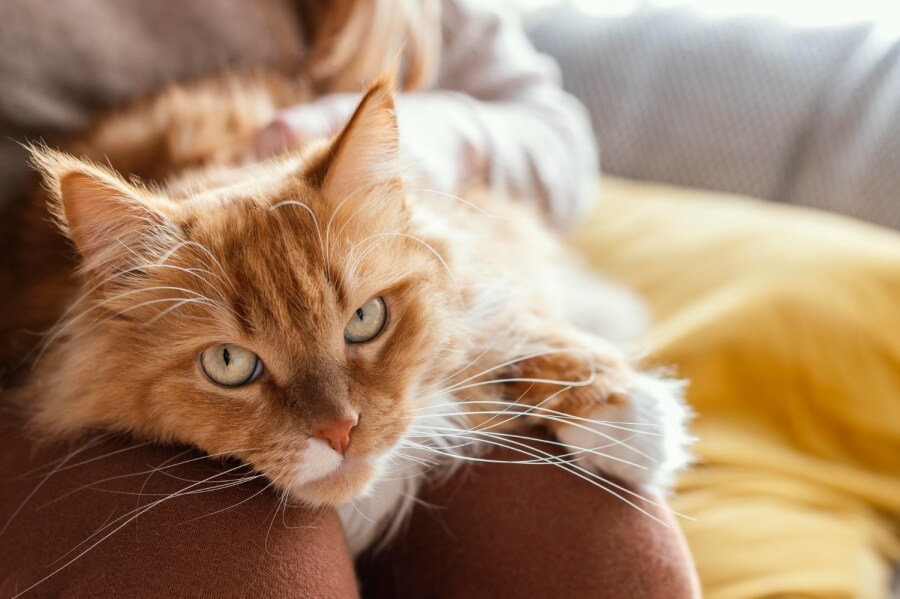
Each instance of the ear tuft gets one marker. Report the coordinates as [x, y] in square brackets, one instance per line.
[106, 217]
[366, 153]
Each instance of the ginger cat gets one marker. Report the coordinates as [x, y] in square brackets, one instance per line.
[319, 318]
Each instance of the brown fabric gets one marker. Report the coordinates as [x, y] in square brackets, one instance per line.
[63, 62]
[229, 543]
[494, 531]
[512, 530]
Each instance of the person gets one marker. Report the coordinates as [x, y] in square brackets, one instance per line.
[477, 105]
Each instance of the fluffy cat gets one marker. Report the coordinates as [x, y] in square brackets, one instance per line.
[319, 318]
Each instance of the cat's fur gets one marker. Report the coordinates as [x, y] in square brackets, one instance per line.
[275, 257]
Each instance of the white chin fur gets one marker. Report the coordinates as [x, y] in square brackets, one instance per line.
[383, 507]
[316, 461]
[646, 441]
[380, 513]
[644, 445]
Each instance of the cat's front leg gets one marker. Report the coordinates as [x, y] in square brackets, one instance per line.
[638, 435]
[615, 420]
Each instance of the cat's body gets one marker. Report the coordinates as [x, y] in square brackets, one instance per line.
[483, 312]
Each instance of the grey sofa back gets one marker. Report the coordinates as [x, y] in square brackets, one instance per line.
[746, 105]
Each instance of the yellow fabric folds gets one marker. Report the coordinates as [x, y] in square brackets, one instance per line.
[787, 324]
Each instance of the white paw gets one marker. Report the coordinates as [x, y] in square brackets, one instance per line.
[642, 441]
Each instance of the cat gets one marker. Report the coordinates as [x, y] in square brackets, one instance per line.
[320, 318]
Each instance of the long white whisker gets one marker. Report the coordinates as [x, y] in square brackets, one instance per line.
[527, 409]
[41, 483]
[471, 362]
[315, 222]
[516, 414]
[575, 450]
[131, 516]
[573, 469]
[581, 383]
[155, 469]
[436, 254]
[466, 202]
[516, 360]
[574, 423]
[331, 220]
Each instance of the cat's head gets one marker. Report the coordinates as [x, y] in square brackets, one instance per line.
[287, 317]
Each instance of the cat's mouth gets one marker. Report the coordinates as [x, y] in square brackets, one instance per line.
[346, 482]
[348, 467]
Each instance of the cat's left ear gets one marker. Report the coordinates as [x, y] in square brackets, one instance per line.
[109, 220]
[366, 153]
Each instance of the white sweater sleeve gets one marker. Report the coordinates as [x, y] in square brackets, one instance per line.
[519, 128]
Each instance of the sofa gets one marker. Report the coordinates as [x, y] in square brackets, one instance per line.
[749, 105]
[783, 316]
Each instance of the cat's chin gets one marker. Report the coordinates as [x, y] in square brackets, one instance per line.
[350, 480]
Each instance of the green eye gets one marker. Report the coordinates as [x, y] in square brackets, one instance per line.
[367, 322]
[230, 365]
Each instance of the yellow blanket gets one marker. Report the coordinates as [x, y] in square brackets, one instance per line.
[787, 324]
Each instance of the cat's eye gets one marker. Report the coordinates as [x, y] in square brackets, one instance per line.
[230, 365]
[367, 322]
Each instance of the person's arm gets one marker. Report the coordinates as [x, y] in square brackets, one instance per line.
[532, 531]
[515, 127]
[497, 115]
[109, 517]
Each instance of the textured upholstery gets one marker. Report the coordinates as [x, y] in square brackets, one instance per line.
[745, 105]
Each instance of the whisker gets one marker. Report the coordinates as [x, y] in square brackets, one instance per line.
[483, 426]
[130, 519]
[413, 238]
[516, 360]
[471, 458]
[41, 483]
[62, 322]
[315, 222]
[230, 507]
[453, 374]
[211, 489]
[93, 441]
[99, 305]
[572, 422]
[576, 450]
[334, 213]
[537, 407]
[150, 472]
[568, 466]
[582, 383]
[131, 516]
[466, 202]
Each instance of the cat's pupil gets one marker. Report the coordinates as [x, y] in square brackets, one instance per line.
[360, 314]
[226, 356]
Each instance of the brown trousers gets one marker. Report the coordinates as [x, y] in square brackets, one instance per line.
[493, 530]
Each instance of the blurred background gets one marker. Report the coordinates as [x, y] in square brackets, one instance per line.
[790, 101]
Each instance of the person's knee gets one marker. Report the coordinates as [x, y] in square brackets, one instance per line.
[538, 531]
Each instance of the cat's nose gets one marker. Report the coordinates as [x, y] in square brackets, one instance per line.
[337, 435]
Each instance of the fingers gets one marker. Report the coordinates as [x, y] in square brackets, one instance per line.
[298, 125]
[276, 138]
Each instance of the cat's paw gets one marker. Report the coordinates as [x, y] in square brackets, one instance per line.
[639, 436]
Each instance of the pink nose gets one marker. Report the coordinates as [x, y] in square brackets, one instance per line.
[337, 435]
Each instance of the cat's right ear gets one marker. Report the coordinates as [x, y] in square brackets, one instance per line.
[110, 221]
[366, 152]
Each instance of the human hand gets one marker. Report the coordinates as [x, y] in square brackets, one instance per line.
[437, 136]
[298, 125]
